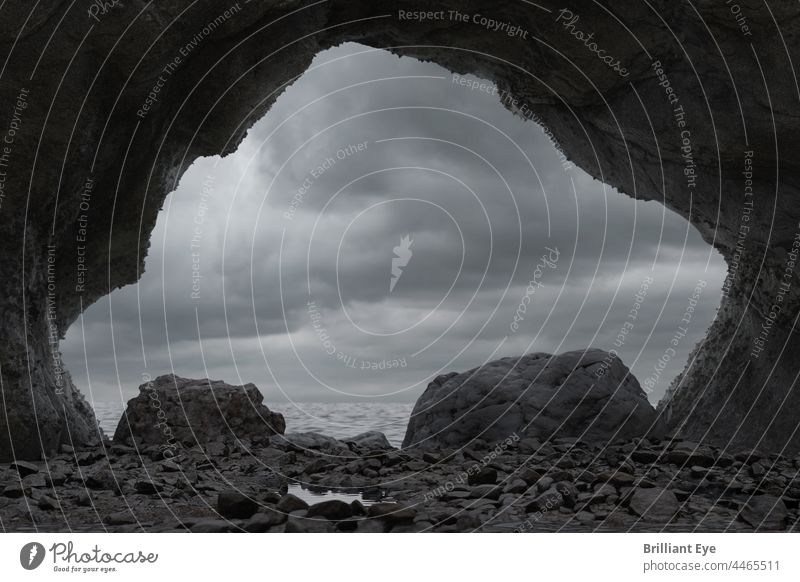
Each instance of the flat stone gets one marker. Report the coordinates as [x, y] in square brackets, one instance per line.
[290, 503]
[24, 468]
[370, 441]
[146, 487]
[485, 476]
[235, 505]
[333, 510]
[119, 518]
[264, 520]
[393, 512]
[654, 504]
[485, 492]
[765, 513]
[550, 500]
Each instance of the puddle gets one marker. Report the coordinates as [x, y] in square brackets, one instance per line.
[312, 494]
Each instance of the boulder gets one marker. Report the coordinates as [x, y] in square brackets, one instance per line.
[587, 394]
[170, 411]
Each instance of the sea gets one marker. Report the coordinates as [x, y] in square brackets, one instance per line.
[338, 420]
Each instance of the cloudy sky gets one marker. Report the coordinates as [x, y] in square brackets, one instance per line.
[302, 213]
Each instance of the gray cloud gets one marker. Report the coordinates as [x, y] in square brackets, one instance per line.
[508, 198]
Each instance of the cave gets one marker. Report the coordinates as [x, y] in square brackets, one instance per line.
[107, 109]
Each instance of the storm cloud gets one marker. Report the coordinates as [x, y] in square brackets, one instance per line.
[274, 265]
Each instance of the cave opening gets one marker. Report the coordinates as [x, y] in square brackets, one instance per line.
[385, 222]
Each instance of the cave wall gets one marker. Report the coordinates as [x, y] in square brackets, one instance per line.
[91, 161]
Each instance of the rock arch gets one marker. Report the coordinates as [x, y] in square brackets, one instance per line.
[108, 107]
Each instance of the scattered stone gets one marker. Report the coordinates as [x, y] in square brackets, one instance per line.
[585, 516]
[317, 466]
[290, 503]
[516, 486]
[431, 458]
[119, 518]
[24, 468]
[264, 520]
[370, 441]
[530, 476]
[333, 510]
[645, 456]
[14, 490]
[550, 500]
[617, 478]
[485, 492]
[393, 512]
[146, 487]
[101, 477]
[302, 525]
[35, 481]
[485, 476]
[235, 505]
[47, 503]
[765, 513]
[690, 454]
[654, 504]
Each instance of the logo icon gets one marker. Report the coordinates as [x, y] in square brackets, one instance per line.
[31, 555]
[403, 254]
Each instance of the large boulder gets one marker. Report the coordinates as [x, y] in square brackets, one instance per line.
[587, 394]
[170, 411]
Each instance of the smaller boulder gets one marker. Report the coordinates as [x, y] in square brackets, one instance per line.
[333, 510]
[654, 504]
[235, 505]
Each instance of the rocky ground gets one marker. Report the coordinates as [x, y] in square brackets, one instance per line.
[515, 485]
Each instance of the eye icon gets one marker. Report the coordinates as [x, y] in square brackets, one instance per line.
[31, 555]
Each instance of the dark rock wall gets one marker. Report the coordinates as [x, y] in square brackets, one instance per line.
[86, 81]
